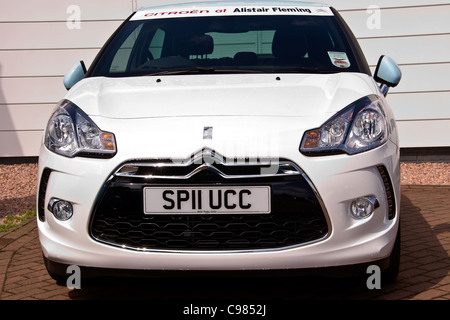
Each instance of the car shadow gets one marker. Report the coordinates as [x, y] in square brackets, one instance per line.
[15, 206]
[420, 250]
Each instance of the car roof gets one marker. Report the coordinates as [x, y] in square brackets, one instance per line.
[206, 4]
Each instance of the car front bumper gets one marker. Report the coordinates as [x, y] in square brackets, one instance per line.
[336, 180]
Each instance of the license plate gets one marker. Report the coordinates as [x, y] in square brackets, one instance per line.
[207, 200]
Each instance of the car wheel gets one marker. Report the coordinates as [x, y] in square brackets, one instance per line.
[390, 274]
[60, 278]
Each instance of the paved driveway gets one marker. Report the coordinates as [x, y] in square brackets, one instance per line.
[424, 273]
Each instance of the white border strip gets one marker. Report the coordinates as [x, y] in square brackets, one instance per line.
[158, 13]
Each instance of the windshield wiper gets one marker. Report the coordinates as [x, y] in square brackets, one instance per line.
[201, 70]
[211, 70]
[309, 70]
[189, 70]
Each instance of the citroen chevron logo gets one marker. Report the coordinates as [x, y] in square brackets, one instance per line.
[207, 132]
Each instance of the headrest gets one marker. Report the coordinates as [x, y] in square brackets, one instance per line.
[289, 44]
[245, 58]
[193, 45]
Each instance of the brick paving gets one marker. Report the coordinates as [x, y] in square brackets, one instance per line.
[424, 273]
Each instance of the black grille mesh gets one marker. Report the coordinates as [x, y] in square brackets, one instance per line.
[296, 217]
[202, 232]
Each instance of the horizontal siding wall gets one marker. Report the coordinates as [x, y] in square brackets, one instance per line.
[39, 44]
[416, 34]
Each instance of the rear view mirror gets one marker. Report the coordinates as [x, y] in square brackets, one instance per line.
[387, 73]
[75, 74]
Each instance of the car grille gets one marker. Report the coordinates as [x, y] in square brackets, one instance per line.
[297, 216]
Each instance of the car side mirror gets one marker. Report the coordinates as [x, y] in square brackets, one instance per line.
[387, 73]
[75, 74]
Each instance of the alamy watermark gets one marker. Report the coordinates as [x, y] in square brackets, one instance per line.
[374, 280]
[374, 19]
[73, 21]
[74, 280]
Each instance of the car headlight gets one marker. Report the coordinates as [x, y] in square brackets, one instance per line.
[359, 127]
[70, 132]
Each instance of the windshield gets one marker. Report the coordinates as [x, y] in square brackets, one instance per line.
[226, 44]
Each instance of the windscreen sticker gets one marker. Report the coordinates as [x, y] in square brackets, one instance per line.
[152, 13]
[339, 59]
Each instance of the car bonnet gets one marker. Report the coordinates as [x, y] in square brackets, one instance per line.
[283, 95]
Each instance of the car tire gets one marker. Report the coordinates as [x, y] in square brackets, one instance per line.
[390, 274]
[59, 278]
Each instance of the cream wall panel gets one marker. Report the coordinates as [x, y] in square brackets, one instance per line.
[428, 77]
[25, 117]
[423, 78]
[60, 10]
[419, 106]
[38, 46]
[426, 133]
[401, 22]
[408, 50]
[55, 35]
[364, 4]
[338, 4]
[31, 90]
[33, 63]
[20, 143]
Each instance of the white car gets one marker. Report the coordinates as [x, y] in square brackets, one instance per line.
[223, 136]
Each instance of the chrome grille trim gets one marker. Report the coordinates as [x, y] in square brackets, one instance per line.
[284, 169]
[205, 161]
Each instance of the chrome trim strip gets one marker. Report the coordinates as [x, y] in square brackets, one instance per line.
[206, 159]
[322, 205]
[181, 251]
[207, 166]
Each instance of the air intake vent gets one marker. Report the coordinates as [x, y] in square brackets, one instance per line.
[42, 191]
[389, 191]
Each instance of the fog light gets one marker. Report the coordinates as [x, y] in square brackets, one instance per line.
[61, 209]
[362, 208]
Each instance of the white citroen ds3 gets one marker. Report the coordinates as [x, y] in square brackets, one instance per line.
[223, 136]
